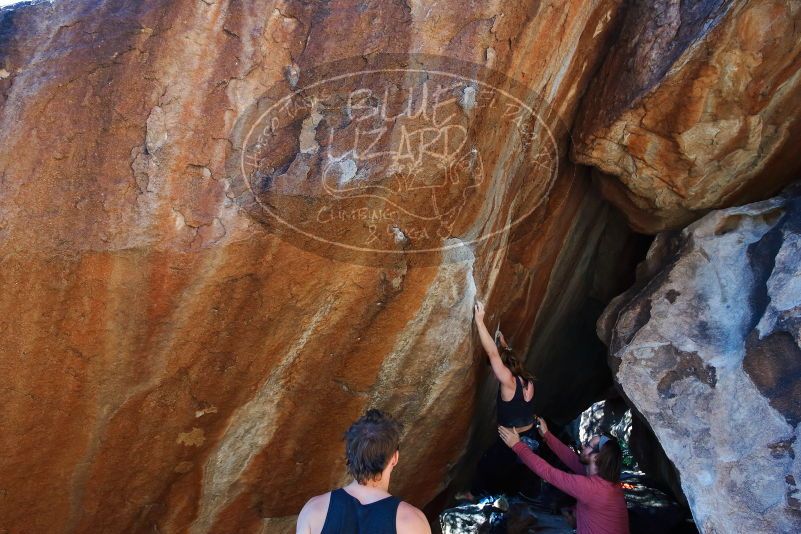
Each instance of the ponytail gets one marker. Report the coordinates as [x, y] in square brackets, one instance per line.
[609, 461]
[510, 360]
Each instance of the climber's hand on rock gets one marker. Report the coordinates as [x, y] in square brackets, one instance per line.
[503, 340]
[479, 312]
[542, 426]
[509, 436]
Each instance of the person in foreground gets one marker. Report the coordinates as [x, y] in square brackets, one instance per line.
[601, 507]
[365, 506]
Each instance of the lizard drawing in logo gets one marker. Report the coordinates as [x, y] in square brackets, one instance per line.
[428, 174]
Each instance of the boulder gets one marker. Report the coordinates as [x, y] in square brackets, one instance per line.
[705, 347]
[180, 356]
[695, 108]
[172, 361]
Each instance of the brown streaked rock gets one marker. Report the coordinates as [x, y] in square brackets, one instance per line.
[695, 108]
[170, 362]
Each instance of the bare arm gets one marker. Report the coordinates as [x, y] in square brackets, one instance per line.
[302, 526]
[502, 373]
[410, 520]
[312, 515]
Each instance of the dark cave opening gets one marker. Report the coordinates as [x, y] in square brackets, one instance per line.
[575, 394]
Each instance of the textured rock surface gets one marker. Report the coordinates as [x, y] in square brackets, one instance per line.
[169, 363]
[696, 107]
[706, 347]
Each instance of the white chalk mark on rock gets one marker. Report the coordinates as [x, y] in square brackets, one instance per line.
[249, 431]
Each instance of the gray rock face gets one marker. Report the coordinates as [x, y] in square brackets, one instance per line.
[706, 347]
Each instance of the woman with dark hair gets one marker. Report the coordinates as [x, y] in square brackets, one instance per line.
[601, 505]
[499, 469]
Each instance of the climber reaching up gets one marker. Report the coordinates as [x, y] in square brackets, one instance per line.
[499, 469]
[515, 381]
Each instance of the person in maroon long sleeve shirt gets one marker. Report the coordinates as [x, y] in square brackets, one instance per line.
[601, 507]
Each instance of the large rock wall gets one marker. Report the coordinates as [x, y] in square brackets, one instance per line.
[170, 363]
[706, 347]
[174, 363]
[696, 107]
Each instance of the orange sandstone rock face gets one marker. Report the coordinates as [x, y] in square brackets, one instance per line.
[174, 363]
[695, 108]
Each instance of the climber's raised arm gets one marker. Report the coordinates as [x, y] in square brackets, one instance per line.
[502, 373]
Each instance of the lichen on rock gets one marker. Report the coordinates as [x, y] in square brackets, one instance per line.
[714, 365]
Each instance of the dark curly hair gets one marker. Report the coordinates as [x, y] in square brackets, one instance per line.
[370, 443]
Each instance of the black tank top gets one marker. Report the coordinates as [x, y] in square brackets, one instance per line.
[516, 412]
[346, 515]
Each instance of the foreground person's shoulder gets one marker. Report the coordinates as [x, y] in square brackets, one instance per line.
[318, 503]
[411, 520]
[312, 515]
